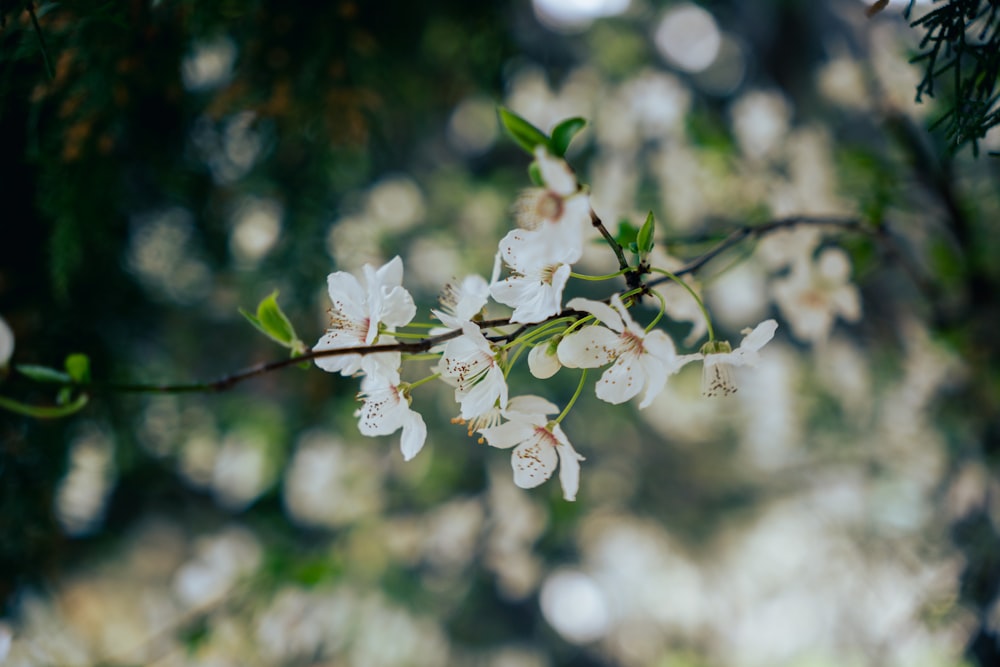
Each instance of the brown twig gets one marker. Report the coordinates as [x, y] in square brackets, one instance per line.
[426, 344]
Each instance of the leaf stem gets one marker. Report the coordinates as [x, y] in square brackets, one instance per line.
[694, 295]
[608, 276]
[572, 401]
[659, 316]
[44, 411]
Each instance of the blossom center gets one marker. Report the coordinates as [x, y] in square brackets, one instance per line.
[488, 419]
[449, 298]
[631, 344]
[341, 322]
[717, 379]
[548, 272]
[549, 206]
[471, 370]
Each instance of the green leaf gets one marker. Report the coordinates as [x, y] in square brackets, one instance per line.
[43, 374]
[64, 396]
[274, 321]
[563, 133]
[627, 233]
[644, 239]
[524, 133]
[535, 174]
[78, 367]
[271, 321]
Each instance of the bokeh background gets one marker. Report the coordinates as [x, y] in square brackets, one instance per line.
[165, 163]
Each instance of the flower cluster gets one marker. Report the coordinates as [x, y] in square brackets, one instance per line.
[475, 356]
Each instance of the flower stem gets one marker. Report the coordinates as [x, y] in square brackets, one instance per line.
[44, 411]
[659, 316]
[429, 378]
[609, 276]
[694, 295]
[576, 395]
[579, 323]
[422, 357]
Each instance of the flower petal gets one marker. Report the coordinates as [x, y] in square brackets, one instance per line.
[532, 299]
[347, 295]
[383, 411]
[484, 394]
[656, 379]
[414, 435]
[746, 353]
[543, 362]
[395, 307]
[556, 174]
[590, 347]
[390, 274]
[530, 408]
[535, 459]
[345, 364]
[384, 365]
[569, 467]
[603, 312]
[659, 345]
[622, 381]
[508, 434]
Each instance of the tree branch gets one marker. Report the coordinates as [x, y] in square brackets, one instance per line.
[734, 238]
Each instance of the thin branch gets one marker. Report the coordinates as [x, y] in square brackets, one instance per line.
[424, 345]
[756, 231]
[228, 381]
[41, 40]
[633, 277]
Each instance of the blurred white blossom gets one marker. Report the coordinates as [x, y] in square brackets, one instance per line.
[815, 293]
[6, 343]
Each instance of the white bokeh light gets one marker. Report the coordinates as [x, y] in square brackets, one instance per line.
[574, 605]
[688, 38]
[570, 15]
[256, 228]
[472, 128]
[209, 65]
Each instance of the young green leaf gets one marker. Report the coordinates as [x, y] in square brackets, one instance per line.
[535, 174]
[274, 320]
[43, 374]
[644, 239]
[563, 133]
[271, 321]
[524, 133]
[78, 367]
[627, 233]
[64, 396]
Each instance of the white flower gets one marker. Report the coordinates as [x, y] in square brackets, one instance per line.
[362, 310]
[719, 358]
[461, 301]
[813, 294]
[472, 365]
[640, 359]
[386, 409]
[540, 445]
[543, 361]
[791, 245]
[540, 266]
[6, 343]
[561, 208]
